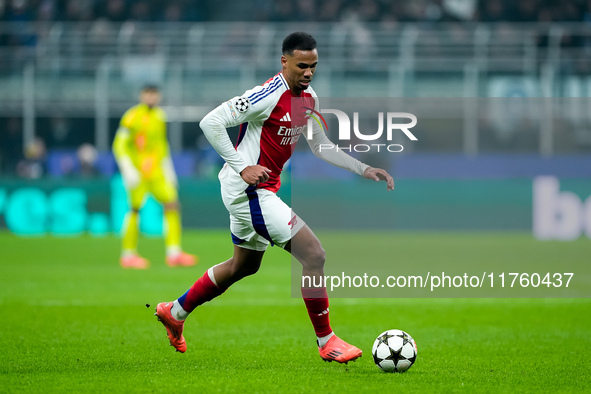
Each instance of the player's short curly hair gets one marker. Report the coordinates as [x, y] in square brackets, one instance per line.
[298, 40]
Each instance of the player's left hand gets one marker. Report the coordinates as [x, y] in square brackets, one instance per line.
[377, 174]
[169, 172]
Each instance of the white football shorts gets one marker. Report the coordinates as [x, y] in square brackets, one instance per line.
[258, 217]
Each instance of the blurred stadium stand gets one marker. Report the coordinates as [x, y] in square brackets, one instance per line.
[296, 10]
[69, 69]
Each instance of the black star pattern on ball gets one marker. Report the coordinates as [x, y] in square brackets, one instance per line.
[405, 339]
[384, 338]
[394, 355]
[376, 359]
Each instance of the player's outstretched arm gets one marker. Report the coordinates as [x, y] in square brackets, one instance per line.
[378, 174]
[327, 151]
[324, 149]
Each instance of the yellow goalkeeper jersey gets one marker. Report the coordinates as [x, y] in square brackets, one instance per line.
[142, 137]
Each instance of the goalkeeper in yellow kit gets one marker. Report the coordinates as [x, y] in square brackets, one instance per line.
[143, 155]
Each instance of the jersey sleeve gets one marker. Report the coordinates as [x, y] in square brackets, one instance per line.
[131, 175]
[238, 110]
[121, 141]
[165, 145]
[127, 118]
[326, 150]
[251, 106]
[162, 114]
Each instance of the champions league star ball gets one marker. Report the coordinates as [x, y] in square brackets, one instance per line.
[242, 104]
[394, 351]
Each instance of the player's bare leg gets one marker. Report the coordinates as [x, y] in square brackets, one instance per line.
[243, 263]
[307, 249]
[213, 283]
[174, 253]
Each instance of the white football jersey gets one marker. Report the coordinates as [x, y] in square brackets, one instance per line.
[269, 126]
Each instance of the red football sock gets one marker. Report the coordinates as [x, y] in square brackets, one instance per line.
[202, 291]
[316, 300]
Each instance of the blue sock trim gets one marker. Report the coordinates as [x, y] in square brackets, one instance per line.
[182, 299]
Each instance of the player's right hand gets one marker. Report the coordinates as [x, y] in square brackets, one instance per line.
[131, 177]
[130, 174]
[253, 175]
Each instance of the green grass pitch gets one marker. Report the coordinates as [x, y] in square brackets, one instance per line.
[74, 321]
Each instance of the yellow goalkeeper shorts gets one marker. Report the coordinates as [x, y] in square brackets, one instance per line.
[163, 190]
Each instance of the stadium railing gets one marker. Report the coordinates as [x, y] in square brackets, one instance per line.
[95, 71]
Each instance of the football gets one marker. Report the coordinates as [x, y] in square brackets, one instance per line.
[394, 351]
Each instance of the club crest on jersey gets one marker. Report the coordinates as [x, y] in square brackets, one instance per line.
[242, 104]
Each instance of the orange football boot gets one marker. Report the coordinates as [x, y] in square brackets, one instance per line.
[338, 350]
[134, 261]
[182, 260]
[174, 327]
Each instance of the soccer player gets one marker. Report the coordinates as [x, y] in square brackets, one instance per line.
[250, 179]
[143, 155]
